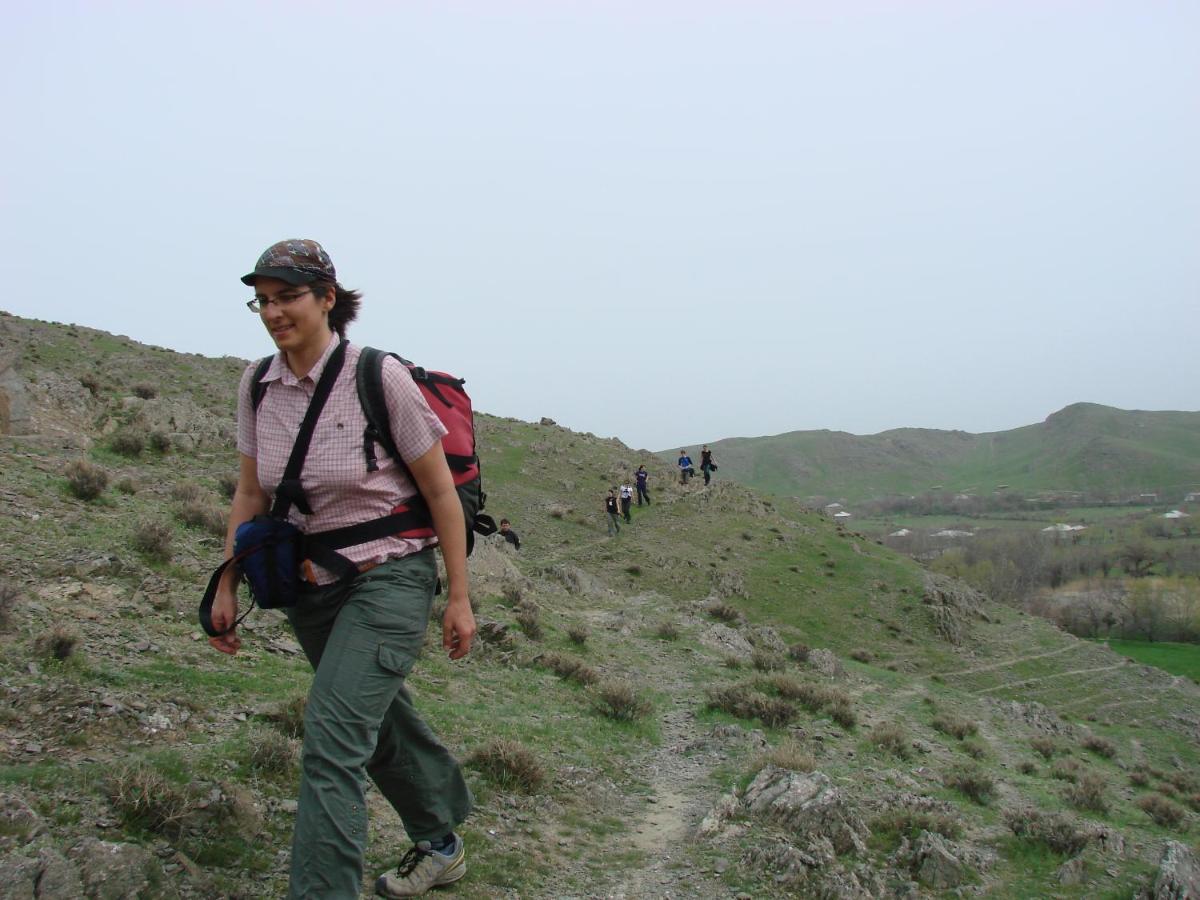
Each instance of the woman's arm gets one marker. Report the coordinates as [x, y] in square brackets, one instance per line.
[437, 487]
[249, 500]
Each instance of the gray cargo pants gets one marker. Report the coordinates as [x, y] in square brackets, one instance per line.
[362, 639]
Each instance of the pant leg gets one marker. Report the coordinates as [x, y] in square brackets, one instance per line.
[362, 639]
[626, 502]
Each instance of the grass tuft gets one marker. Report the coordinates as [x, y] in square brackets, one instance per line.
[1100, 746]
[620, 700]
[509, 765]
[1088, 793]
[972, 782]
[85, 480]
[892, 738]
[154, 539]
[1164, 813]
[1055, 831]
[56, 644]
[954, 726]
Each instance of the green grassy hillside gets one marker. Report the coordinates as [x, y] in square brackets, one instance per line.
[649, 686]
[1084, 447]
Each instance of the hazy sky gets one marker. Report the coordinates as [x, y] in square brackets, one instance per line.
[669, 222]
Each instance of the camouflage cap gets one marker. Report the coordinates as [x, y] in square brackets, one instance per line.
[295, 261]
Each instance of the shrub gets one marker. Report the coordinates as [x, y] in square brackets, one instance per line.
[861, 655]
[742, 701]
[145, 799]
[910, 823]
[160, 442]
[145, 391]
[85, 480]
[529, 623]
[972, 782]
[799, 652]
[227, 485]
[188, 492]
[1138, 778]
[766, 661]
[620, 700]
[892, 738]
[568, 667]
[271, 754]
[724, 612]
[732, 662]
[1088, 793]
[128, 442]
[1027, 768]
[974, 748]
[1161, 810]
[153, 540]
[512, 593]
[578, 635]
[634, 570]
[509, 765]
[56, 644]
[1065, 770]
[199, 514]
[954, 726]
[92, 384]
[843, 713]
[288, 717]
[1045, 746]
[1055, 831]
[667, 631]
[789, 755]
[127, 485]
[1100, 746]
[9, 599]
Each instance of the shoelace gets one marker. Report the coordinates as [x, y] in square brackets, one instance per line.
[410, 860]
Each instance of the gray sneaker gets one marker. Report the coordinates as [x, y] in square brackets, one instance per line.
[422, 869]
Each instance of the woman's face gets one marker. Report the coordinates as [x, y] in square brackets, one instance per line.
[295, 317]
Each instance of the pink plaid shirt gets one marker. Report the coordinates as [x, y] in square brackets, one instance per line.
[336, 482]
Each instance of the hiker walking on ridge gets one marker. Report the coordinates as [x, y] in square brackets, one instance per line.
[685, 467]
[626, 501]
[639, 479]
[707, 466]
[360, 630]
[612, 511]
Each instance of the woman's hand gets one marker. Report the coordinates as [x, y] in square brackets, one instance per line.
[224, 614]
[458, 627]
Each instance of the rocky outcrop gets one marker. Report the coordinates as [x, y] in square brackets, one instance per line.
[952, 605]
[807, 804]
[826, 663]
[727, 641]
[111, 870]
[937, 862]
[1178, 874]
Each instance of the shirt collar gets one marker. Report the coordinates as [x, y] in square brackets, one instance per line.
[278, 370]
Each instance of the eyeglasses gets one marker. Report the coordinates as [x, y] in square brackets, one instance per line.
[258, 304]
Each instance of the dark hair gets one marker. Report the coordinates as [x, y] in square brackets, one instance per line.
[345, 304]
[505, 522]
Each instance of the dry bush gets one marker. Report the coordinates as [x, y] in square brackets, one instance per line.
[843, 713]
[160, 442]
[954, 726]
[1183, 781]
[909, 823]
[512, 593]
[789, 755]
[892, 738]
[568, 667]
[145, 390]
[85, 480]
[767, 661]
[202, 515]
[272, 754]
[529, 623]
[799, 652]
[145, 799]
[784, 685]
[509, 765]
[1088, 793]
[1164, 813]
[774, 711]
[127, 485]
[1059, 833]
[128, 442]
[56, 644]
[724, 612]
[188, 492]
[667, 631]
[10, 598]
[974, 748]
[559, 512]
[972, 782]
[288, 716]
[732, 662]
[743, 701]
[154, 540]
[634, 570]
[92, 384]
[620, 700]
[1138, 778]
[1027, 768]
[861, 655]
[1065, 770]
[227, 485]
[1100, 746]
[578, 635]
[1045, 746]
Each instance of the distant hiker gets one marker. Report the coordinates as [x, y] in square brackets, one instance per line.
[361, 632]
[685, 467]
[612, 511]
[509, 534]
[707, 466]
[626, 501]
[639, 478]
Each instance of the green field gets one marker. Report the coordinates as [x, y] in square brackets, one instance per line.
[1178, 659]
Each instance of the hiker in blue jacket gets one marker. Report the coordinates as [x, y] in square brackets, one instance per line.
[685, 467]
[639, 478]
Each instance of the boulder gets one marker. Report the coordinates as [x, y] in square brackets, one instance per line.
[726, 640]
[809, 805]
[58, 876]
[1178, 874]
[18, 877]
[112, 871]
[764, 637]
[935, 864]
[17, 819]
[826, 663]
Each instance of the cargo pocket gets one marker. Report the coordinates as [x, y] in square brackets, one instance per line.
[391, 660]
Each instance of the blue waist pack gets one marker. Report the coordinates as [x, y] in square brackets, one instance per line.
[268, 552]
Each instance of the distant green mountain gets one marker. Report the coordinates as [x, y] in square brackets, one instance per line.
[1099, 450]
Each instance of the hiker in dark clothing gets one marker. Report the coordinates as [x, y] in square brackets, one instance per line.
[509, 534]
[626, 501]
[613, 511]
[639, 478]
[707, 466]
[685, 467]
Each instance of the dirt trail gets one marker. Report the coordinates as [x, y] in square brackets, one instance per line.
[1005, 663]
[1015, 684]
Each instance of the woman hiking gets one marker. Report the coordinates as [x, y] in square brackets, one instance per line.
[362, 632]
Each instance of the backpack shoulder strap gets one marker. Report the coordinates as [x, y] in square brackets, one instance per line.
[257, 388]
[368, 379]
